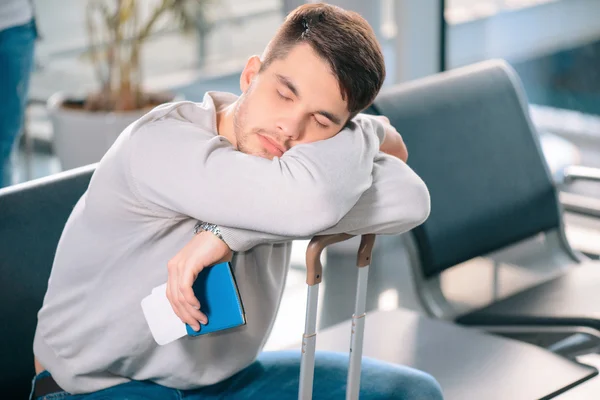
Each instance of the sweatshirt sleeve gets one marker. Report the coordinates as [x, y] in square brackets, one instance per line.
[177, 168]
[396, 202]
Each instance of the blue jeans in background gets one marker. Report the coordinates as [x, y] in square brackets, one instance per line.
[16, 63]
[275, 376]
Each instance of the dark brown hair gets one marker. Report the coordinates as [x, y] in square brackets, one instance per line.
[342, 38]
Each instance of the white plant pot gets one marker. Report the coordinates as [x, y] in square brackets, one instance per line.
[83, 137]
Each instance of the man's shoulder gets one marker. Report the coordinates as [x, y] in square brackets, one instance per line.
[187, 114]
[176, 118]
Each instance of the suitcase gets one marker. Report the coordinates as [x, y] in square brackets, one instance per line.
[313, 278]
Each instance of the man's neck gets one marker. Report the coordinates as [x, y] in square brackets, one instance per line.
[225, 126]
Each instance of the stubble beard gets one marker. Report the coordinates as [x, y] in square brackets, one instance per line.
[239, 124]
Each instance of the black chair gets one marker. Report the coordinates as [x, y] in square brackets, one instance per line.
[32, 217]
[495, 209]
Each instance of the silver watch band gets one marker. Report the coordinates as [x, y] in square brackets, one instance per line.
[208, 227]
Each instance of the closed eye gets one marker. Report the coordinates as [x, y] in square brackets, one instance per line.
[320, 124]
[283, 97]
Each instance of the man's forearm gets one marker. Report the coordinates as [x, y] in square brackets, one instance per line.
[309, 189]
[396, 202]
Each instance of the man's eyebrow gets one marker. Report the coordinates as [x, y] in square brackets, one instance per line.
[287, 82]
[330, 116]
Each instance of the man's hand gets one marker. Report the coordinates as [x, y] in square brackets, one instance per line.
[392, 142]
[204, 250]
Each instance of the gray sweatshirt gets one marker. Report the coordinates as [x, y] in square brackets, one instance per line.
[166, 171]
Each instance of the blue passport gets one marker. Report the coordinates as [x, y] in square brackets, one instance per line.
[215, 288]
[220, 300]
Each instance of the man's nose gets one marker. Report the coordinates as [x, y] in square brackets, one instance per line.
[290, 127]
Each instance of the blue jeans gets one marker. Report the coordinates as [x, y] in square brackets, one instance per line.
[16, 61]
[275, 376]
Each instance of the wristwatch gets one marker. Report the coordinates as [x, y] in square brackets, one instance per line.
[208, 227]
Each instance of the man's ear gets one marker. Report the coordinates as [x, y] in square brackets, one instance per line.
[250, 71]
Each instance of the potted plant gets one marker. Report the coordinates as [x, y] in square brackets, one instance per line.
[85, 128]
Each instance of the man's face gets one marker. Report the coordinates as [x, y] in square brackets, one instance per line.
[295, 100]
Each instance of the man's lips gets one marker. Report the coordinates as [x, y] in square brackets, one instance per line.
[271, 146]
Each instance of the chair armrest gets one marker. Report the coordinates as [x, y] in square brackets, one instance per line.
[580, 204]
[578, 172]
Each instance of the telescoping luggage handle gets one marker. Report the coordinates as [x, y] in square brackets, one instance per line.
[314, 275]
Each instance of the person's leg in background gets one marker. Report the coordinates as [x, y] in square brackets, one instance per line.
[16, 62]
[276, 376]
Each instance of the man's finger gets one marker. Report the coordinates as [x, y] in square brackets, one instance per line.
[172, 287]
[196, 314]
[187, 317]
[186, 282]
[175, 259]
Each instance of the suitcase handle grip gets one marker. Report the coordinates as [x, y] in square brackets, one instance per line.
[365, 250]
[314, 268]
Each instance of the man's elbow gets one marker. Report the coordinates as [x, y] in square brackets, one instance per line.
[413, 206]
[316, 212]
[422, 203]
